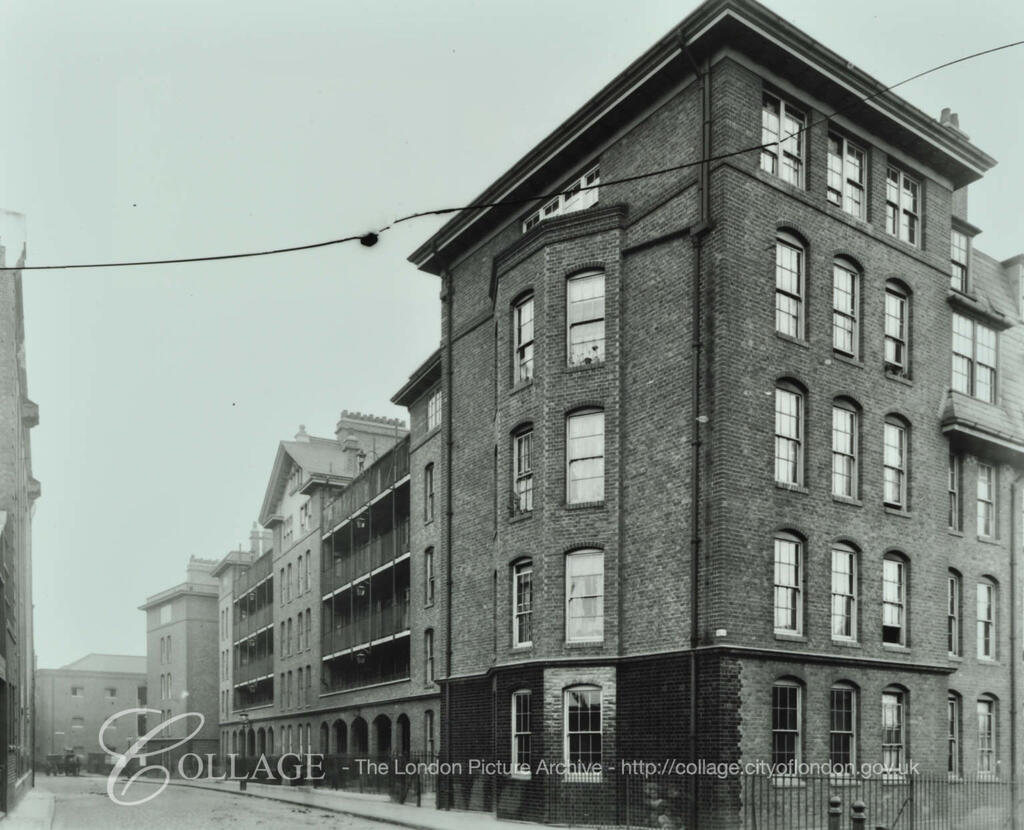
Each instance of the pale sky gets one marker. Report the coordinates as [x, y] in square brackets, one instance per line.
[164, 129]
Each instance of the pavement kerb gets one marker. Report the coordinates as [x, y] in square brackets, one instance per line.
[397, 821]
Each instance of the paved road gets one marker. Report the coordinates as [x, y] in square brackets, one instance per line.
[82, 804]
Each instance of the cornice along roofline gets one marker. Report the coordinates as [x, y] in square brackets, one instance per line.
[743, 24]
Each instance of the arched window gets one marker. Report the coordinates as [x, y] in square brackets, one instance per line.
[844, 591]
[954, 759]
[986, 611]
[896, 459]
[788, 583]
[428, 576]
[522, 603]
[585, 318]
[789, 286]
[522, 470]
[845, 448]
[897, 329]
[789, 434]
[786, 719]
[522, 339]
[894, 599]
[584, 596]
[584, 455]
[894, 734]
[987, 735]
[954, 585]
[845, 308]
[843, 727]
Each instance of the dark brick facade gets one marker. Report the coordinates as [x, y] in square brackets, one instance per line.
[661, 252]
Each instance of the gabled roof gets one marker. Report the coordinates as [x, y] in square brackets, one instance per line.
[317, 456]
[107, 663]
[746, 26]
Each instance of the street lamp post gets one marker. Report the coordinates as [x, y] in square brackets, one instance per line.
[244, 718]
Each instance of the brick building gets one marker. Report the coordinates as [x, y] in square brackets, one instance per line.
[733, 452]
[326, 639]
[18, 493]
[181, 661]
[73, 702]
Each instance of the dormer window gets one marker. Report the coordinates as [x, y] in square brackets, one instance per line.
[579, 194]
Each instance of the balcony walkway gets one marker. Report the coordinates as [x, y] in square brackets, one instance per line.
[377, 807]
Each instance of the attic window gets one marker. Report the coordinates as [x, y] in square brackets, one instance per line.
[579, 194]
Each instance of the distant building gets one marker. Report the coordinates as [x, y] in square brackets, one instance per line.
[18, 493]
[233, 569]
[181, 658]
[72, 703]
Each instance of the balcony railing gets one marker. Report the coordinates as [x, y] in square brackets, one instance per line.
[255, 621]
[259, 667]
[377, 552]
[367, 627]
[252, 575]
[391, 467]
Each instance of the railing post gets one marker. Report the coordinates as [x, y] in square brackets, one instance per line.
[858, 819]
[835, 812]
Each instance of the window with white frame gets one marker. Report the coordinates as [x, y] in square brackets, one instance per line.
[953, 761]
[894, 601]
[902, 206]
[434, 410]
[895, 464]
[845, 304]
[974, 358]
[522, 471]
[783, 142]
[522, 339]
[844, 450]
[788, 583]
[844, 592]
[584, 596]
[958, 254]
[428, 576]
[986, 736]
[583, 742]
[521, 732]
[894, 737]
[579, 194]
[986, 500]
[585, 318]
[896, 329]
[953, 583]
[428, 730]
[584, 452]
[789, 407]
[846, 175]
[304, 515]
[786, 718]
[986, 610]
[842, 728]
[954, 491]
[789, 286]
[77, 691]
[522, 603]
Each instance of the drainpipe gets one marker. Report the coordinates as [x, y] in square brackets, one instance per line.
[449, 292]
[1015, 542]
[697, 233]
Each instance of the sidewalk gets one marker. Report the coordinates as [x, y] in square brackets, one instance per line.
[379, 808]
[34, 812]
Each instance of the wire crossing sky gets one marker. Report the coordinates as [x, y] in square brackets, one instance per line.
[369, 239]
